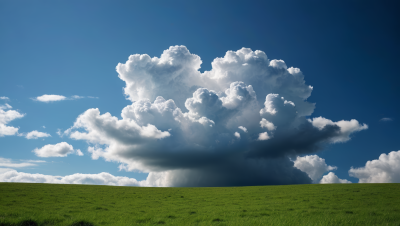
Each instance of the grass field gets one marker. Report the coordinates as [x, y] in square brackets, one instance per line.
[315, 204]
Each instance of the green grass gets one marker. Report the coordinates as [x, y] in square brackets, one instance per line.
[315, 204]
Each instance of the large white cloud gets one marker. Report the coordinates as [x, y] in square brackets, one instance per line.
[7, 116]
[56, 150]
[386, 169]
[331, 178]
[313, 165]
[184, 124]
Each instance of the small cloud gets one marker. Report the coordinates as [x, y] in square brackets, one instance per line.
[44, 127]
[49, 98]
[263, 136]
[4, 98]
[52, 98]
[386, 119]
[37, 161]
[237, 135]
[76, 97]
[315, 167]
[57, 150]
[92, 97]
[243, 128]
[35, 135]
[7, 116]
[266, 124]
[78, 152]
[331, 178]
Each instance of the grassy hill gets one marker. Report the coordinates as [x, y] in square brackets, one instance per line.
[315, 204]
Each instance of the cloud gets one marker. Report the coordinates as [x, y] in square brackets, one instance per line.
[386, 119]
[243, 128]
[4, 98]
[182, 126]
[78, 178]
[52, 98]
[346, 127]
[331, 178]
[263, 136]
[34, 135]
[3, 170]
[313, 165]
[57, 150]
[386, 169]
[266, 124]
[7, 116]
[12, 164]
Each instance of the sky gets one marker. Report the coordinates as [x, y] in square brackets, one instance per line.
[199, 93]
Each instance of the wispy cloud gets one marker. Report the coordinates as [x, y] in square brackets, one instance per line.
[17, 164]
[34, 135]
[53, 98]
[386, 119]
[4, 98]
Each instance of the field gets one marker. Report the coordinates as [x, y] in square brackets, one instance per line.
[315, 204]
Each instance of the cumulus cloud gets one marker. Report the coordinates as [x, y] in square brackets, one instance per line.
[346, 127]
[57, 150]
[7, 116]
[331, 178]
[266, 124]
[386, 169]
[34, 135]
[263, 136]
[183, 125]
[313, 165]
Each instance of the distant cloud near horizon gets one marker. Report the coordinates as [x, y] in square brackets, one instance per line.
[313, 165]
[53, 98]
[10, 175]
[386, 169]
[331, 178]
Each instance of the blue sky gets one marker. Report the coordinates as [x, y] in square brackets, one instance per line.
[347, 51]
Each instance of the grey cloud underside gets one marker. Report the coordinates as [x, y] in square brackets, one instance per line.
[186, 123]
[241, 172]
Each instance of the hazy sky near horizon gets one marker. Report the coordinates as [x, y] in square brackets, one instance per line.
[199, 93]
